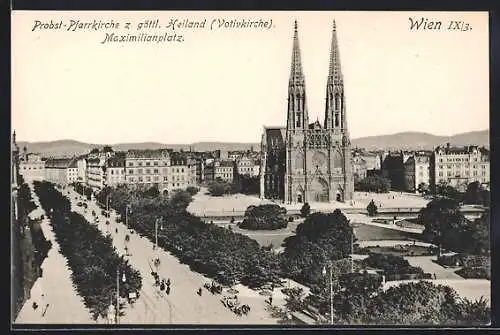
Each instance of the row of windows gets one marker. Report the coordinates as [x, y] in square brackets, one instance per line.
[155, 171]
[224, 175]
[449, 166]
[457, 160]
[154, 163]
[483, 173]
[34, 168]
[118, 171]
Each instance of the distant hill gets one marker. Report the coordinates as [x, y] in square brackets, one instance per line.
[424, 141]
[404, 141]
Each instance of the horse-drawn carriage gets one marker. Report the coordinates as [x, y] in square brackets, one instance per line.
[213, 288]
[234, 305]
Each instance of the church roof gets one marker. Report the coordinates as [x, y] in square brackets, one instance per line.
[315, 125]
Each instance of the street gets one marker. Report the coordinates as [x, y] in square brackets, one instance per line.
[54, 293]
[183, 305]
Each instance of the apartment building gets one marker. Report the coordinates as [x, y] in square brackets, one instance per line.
[460, 166]
[31, 166]
[417, 172]
[60, 171]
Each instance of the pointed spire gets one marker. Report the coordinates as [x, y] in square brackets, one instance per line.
[335, 72]
[296, 74]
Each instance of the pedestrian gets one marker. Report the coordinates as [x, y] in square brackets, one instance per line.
[167, 290]
[435, 276]
[35, 305]
[162, 286]
[168, 282]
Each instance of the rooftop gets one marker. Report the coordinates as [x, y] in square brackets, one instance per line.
[148, 153]
[116, 161]
[59, 163]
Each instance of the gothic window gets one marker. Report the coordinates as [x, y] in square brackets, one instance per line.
[336, 119]
[297, 120]
[337, 101]
[298, 101]
[319, 159]
[337, 159]
[299, 161]
[291, 102]
[303, 101]
[331, 99]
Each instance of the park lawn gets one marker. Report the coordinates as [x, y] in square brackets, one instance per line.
[366, 232]
[417, 251]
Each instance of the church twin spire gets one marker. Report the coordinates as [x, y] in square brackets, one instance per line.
[296, 73]
[334, 71]
[297, 107]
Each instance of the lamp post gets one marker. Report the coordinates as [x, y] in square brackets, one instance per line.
[127, 209]
[160, 221]
[107, 203]
[330, 265]
[124, 279]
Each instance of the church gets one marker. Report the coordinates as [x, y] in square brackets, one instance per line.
[309, 162]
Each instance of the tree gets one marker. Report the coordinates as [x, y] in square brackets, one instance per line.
[197, 244]
[374, 183]
[107, 148]
[264, 217]
[444, 223]
[320, 238]
[305, 210]
[249, 184]
[474, 312]
[218, 188]
[478, 240]
[372, 208]
[448, 191]
[91, 256]
[152, 192]
[294, 300]
[192, 190]
[476, 194]
[423, 188]
[391, 264]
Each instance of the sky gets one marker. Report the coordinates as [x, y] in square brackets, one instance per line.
[226, 84]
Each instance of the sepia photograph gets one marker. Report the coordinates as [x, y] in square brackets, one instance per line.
[250, 168]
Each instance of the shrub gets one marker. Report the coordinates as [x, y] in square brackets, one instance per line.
[264, 217]
[192, 190]
[474, 273]
[372, 208]
[305, 210]
[391, 264]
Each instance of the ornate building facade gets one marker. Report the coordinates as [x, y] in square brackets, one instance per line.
[305, 162]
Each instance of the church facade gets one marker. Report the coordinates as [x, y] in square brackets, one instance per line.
[309, 162]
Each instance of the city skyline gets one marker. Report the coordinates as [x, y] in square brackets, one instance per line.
[439, 78]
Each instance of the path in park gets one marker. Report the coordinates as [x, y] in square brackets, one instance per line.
[183, 305]
[65, 306]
